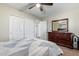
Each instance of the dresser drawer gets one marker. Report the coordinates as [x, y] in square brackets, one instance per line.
[61, 38]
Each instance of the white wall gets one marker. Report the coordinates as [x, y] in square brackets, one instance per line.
[5, 12]
[72, 15]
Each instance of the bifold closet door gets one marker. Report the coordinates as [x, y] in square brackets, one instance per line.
[20, 28]
[29, 28]
[16, 28]
[42, 30]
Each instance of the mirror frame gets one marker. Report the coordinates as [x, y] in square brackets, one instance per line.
[61, 20]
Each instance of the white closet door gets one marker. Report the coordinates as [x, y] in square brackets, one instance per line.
[42, 30]
[16, 28]
[29, 28]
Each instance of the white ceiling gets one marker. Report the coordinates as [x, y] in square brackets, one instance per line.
[48, 10]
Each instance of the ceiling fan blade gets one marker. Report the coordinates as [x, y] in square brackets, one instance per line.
[49, 4]
[32, 5]
[41, 8]
[28, 6]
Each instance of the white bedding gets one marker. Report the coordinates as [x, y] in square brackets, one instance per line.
[14, 51]
[39, 51]
[31, 47]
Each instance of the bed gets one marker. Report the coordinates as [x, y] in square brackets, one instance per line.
[30, 47]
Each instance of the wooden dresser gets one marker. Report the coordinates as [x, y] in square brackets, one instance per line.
[61, 38]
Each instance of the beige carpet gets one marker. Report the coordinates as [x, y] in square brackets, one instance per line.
[69, 52]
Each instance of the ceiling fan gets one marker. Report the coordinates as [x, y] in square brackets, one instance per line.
[39, 5]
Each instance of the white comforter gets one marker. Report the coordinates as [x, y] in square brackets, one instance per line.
[31, 47]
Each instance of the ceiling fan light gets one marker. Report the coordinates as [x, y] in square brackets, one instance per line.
[38, 5]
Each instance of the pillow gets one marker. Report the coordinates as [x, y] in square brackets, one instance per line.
[24, 43]
[13, 43]
[10, 44]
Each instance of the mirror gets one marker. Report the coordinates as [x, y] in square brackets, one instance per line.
[60, 25]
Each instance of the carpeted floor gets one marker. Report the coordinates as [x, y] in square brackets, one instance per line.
[69, 52]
